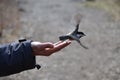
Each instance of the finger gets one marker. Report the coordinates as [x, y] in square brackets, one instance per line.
[61, 42]
[58, 43]
[60, 46]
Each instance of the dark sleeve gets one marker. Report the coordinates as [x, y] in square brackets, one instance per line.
[16, 57]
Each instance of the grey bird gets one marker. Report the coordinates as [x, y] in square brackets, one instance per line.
[75, 35]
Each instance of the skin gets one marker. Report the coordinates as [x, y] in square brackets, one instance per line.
[48, 48]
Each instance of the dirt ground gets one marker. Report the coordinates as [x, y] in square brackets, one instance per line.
[46, 20]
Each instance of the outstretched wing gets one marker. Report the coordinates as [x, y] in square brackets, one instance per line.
[82, 44]
[77, 18]
[77, 39]
[76, 29]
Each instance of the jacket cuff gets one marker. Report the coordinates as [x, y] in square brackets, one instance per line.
[29, 58]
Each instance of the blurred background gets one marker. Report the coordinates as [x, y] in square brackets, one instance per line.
[46, 20]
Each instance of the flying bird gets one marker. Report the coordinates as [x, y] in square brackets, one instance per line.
[75, 35]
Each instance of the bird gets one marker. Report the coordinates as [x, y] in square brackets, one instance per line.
[75, 35]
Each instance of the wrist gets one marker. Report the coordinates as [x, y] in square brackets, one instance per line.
[33, 48]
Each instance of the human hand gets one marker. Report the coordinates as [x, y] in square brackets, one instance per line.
[47, 48]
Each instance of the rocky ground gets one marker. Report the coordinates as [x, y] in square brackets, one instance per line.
[46, 20]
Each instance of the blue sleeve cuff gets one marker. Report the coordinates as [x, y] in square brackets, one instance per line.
[28, 57]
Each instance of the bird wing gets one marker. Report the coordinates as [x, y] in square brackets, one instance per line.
[77, 18]
[77, 39]
[82, 44]
[76, 29]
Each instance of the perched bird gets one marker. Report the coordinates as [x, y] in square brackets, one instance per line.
[75, 35]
